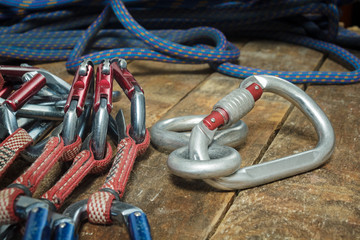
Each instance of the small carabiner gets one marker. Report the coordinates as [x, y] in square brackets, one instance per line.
[135, 94]
[170, 134]
[75, 104]
[17, 99]
[102, 108]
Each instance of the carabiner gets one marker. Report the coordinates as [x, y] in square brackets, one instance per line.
[133, 217]
[237, 104]
[102, 108]
[74, 107]
[53, 81]
[17, 99]
[135, 94]
[170, 134]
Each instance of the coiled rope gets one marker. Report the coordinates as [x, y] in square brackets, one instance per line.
[183, 31]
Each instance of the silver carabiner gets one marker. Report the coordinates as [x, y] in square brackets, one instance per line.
[138, 112]
[165, 136]
[236, 105]
[170, 134]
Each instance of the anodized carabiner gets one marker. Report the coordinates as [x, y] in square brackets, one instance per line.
[102, 108]
[75, 104]
[17, 72]
[135, 94]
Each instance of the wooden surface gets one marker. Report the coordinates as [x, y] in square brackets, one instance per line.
[321, 204]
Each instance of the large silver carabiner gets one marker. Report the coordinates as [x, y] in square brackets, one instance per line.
[236, 105]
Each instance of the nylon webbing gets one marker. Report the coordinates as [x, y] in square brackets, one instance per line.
[84, 164]
[54, 151]
[11, 147]
[99, 204]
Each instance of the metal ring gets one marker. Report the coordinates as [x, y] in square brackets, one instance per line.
[173, 133]
[223, 161]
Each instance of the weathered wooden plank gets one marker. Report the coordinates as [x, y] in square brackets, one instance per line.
[322, 204]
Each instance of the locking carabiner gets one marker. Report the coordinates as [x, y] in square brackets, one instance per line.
[236, 105]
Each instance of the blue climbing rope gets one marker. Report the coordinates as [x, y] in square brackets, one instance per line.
[182, 31]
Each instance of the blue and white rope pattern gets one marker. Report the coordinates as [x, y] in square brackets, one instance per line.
[45, 34]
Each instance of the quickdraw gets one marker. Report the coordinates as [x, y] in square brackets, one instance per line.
[95, 155]
[202, 160]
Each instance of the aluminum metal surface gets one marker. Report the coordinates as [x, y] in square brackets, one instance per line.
[138, 112]
[100, 126]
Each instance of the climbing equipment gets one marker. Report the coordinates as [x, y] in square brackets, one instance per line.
[54, 150]
[196, 160]
[133, 217]
[314, 24]
[17, 138]
[171, 134]
[94, 157]
[103, 206]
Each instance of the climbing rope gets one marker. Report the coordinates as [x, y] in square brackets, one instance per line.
[181, 32]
